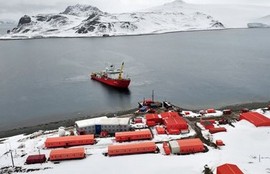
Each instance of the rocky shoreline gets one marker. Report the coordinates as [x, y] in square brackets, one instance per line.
[70, 122]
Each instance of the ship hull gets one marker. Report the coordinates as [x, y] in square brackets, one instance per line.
[123, 83]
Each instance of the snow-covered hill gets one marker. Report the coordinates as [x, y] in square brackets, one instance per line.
[85, 20]
[260, 23]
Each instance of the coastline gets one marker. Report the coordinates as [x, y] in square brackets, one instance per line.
[120, 35]
[70, 122]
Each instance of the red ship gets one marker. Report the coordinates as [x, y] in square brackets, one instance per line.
[112, 77]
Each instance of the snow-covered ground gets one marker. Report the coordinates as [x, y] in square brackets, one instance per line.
[245, 145]
[87, 21]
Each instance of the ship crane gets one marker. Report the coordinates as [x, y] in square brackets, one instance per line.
[121, 71]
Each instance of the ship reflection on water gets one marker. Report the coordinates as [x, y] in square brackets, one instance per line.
[116, 96]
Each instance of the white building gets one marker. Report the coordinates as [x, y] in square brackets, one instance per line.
[97, 125]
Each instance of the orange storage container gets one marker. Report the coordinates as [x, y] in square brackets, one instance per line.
[133, 135]
[134, 148]
[160, 130]
[219, 143]
[227, 111]
[217, 129]
[65, 154]
[190, 146]
[166, 148]
[69, 141]
[211, 110]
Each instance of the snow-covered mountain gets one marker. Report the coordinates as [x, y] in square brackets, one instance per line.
[86, 21]
[263, 22]
[83, 20]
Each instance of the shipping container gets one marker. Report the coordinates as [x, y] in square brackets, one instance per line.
[229, 169]
[211, 111]
[166, 148]
[219, 143]
[138, 120]
[65, 154]
[227, 111]
[144, 134]
[160, 130]
[69, 141]
[188, 146]
[132, 148]
[33, 159]
[217, 129]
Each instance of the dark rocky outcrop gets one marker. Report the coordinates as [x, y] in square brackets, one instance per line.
[24, 20]
[217, 24]
[81, 10]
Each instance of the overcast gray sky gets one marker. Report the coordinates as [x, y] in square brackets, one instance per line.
[14, 9]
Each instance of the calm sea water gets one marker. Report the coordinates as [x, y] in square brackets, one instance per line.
[46, 80]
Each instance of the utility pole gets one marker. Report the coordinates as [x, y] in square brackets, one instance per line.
[11, 155]
[11, 158]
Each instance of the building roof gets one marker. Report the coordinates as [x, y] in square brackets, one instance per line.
[102, 121]
[67, 151]
[190, 142]
[228, 169]
[69, 138]
[131, 133]
[131, 145]
[256, 118]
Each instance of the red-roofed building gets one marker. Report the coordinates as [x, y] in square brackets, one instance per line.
[173, 122]
[152, 118]
[228, 169]
[255, 118]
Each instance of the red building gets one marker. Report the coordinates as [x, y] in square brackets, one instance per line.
[144, 134]
[188, 146]
[134, 148]
[65, 154]
[228, 169]
[152, 119]
[33, 159]
[69, 141]
[255, 118]
[173, 122]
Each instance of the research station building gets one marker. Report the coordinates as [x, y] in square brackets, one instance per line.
[98, 125]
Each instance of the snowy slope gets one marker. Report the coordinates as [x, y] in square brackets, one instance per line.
[82, 20]
[87, 21]
[245, 145]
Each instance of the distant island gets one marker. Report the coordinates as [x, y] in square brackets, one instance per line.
[88, 21]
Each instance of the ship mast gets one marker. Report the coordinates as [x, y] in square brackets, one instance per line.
[121, 71]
